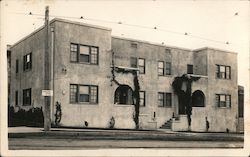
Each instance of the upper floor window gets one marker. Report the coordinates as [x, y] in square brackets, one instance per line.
[84, 53]
[133, 62]
[133, 45]
[160, 68]
[168, 68]
[141, 63]
[223, 100]
[138, 63]
[223, 72]
[164, 69]
[164, 99]
[27, 62]
[83, 93]
[142, 98]
[27, 97]
[190, 69]
[17, 66]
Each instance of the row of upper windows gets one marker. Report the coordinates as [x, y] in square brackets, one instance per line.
[27, 63]
[90, 54]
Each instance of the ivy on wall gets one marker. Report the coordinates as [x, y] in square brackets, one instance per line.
[184, 95]
[136, 92]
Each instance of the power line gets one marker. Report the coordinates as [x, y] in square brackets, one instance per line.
[133, 25]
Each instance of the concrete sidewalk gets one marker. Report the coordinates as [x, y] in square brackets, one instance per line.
[101, 134]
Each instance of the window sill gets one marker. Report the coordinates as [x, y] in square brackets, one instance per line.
[83, 103]
[164, 106]
[27, 70]
[224, 107]
[87, 63]
[124, 105]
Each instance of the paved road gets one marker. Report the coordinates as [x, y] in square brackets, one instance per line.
[52, 143]
[36, 138]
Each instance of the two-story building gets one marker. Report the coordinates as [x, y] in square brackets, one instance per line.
[83, 58]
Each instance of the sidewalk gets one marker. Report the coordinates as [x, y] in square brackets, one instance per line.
[103, 134]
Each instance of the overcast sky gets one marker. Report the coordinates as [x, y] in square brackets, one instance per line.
[216, 22]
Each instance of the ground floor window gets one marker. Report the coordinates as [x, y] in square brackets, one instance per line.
[83, 93]
[223, 100]
[198, 99]
[142, 98]
[27, 97]
[164, 99]
[124, 95]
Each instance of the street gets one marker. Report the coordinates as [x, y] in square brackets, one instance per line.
[66, 144]
[27, 138]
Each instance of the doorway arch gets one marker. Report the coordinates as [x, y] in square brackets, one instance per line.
[198, 99]
[123, 95]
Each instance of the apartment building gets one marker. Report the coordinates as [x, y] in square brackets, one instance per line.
[93, 78]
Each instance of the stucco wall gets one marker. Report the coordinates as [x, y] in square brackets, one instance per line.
[32, 78]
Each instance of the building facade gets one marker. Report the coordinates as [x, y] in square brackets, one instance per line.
[93, 78]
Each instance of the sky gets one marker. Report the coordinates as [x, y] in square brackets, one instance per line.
[207, 23]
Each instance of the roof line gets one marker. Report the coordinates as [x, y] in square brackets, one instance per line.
[60, 20]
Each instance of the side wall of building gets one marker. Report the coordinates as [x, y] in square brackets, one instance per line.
[31, 78]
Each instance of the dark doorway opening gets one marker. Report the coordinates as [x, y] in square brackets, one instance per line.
[124, 95]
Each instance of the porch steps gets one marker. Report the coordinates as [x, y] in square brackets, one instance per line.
[167, 124]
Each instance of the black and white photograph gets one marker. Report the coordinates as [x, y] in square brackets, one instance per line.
[125, 77]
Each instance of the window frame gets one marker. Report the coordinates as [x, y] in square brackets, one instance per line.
[165, 99]
[16, 98]
[142, 66]
[188, 69]
[161, 68]
[144, 98]
[17, 66]
[227, 74]
[218, 102]
[25, 98]
[27, 66]
[91, 54]
[77, 99]
[169, 68]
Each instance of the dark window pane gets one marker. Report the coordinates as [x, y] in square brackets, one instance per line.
[133, 62]
[190, 69]
[168, 68]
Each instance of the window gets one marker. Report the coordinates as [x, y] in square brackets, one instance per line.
[190, 69]
[73, 52]
[123, 95]
[160, 68]
[17, 66]
[142, 98]
[168, 68]
[133, 45]
[16, 98]
[164, 99]
[141, 63]
[84, 53]
[83, 93]
[223, 100]
[27, 62]
[223, 72]
[133, 62]
[27, 97]
[198, 99]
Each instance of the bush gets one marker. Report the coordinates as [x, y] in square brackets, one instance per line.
[32, 117]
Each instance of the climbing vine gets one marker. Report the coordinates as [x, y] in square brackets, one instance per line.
[185, 96]
[136, 92]
[58, 114]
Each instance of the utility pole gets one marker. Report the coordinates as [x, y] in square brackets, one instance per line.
[47, 98]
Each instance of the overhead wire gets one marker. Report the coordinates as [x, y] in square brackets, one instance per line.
[132, 25]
